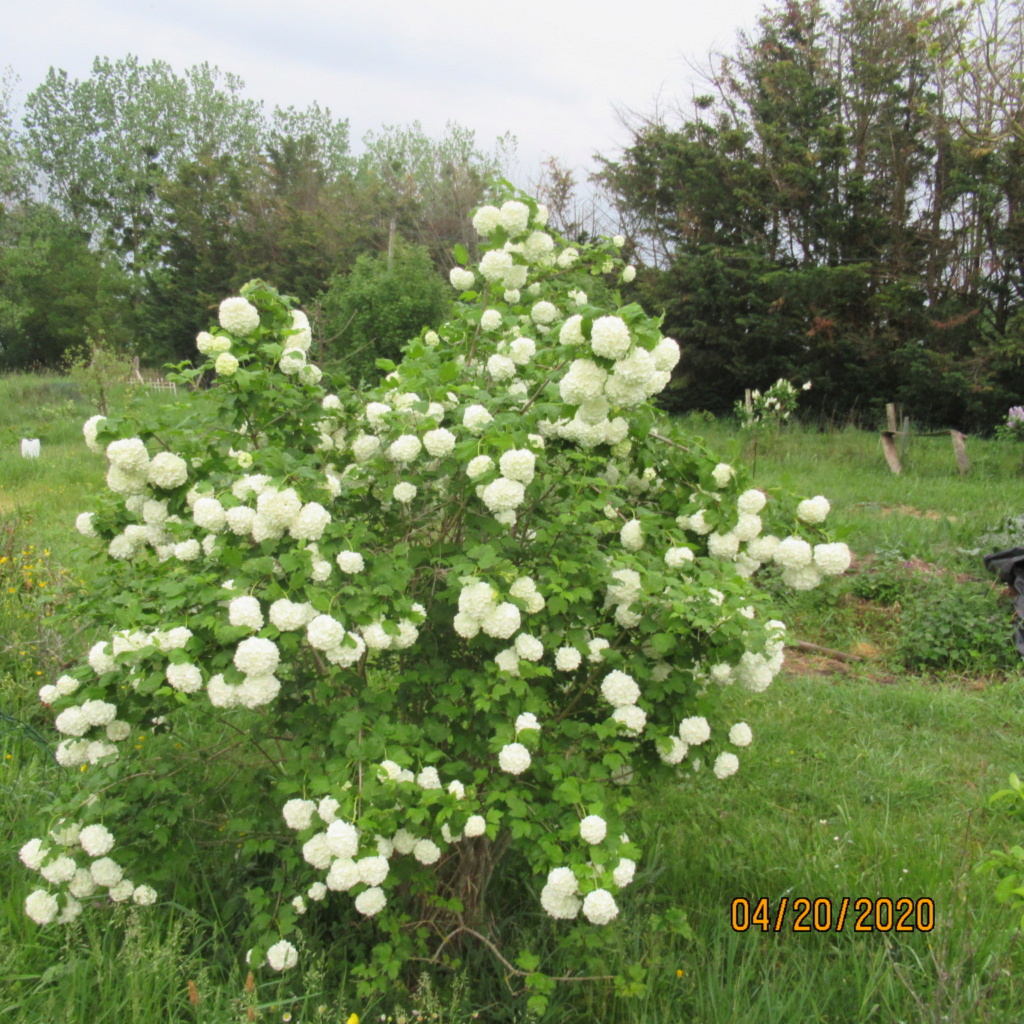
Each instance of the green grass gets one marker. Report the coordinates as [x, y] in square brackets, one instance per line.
[868, 779]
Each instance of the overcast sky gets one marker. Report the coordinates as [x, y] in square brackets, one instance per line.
[551, 72]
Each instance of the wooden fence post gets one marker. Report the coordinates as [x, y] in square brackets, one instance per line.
[960, 450]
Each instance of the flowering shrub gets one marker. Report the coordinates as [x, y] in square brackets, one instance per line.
[772, 408]
[1013, 428]
[366, 642]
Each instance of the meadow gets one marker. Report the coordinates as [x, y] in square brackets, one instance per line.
[869, 778]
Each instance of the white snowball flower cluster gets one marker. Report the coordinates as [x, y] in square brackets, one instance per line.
[676, 558]
[726, 764]
[462, 280]
[475, 418]
[245, 611]
[593, 829]
[632, 535]
[609, 337]
[567, 659]
[619, 689]
[740, 735]
[288, 615]
[558, 897]
[282, 956]
[514, 217]
[599, 906]
[694, 731]
[584, 381]
[525, 589]
[832, 559]
[439, 442]
[722, 474]
[503, 495]
[239, 316]
[813, 510]
[514, 758]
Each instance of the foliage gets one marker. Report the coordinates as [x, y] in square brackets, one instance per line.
[421, 661]
[103, 375]
[384, 301]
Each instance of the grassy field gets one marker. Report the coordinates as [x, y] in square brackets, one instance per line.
[869, 778]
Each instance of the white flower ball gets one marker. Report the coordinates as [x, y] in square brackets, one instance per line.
[543, 312]
[226, 365]
[723, 545]
[239, 316]
[631, 718]
[599, 906]
[619, 689]
[298, 814]
[514, 758]
[404, 492]
[751, 502]
[245, 611]
[527, 720]
[461, 280]
[257, 656]
[609, 337]
[694, 731]
[310, 522]
[503, 495]
[288, 615]
[490, 320]
[518, 464]
[813, 510]
[485, 220]
[325, 632]
[514, 217]
[501, 621]
[529, 648]
[371, 901]
[593, 829]
[676, 558]
[475, 418]
[185, 678]
[478, 466]
[832, 559]
[405, 448]
[793, 553]
[41, 906]
[439, 442]
[495, 265]
[567, 659]
[476, 825]
[726, 764]
[722, 474]
[282, 956]
[350, 561]
[740, 735]
[106, 872]
[144, 896]
[632, 535]
[426, 851]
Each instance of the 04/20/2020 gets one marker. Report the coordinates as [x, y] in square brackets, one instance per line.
[863, 914]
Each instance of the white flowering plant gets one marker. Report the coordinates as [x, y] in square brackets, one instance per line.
[771, 408]
[356, 646]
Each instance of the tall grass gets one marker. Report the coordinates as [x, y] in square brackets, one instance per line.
[863, 780]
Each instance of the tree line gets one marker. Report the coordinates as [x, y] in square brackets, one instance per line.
[843, 202]
[133, 200]
[840, 200]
